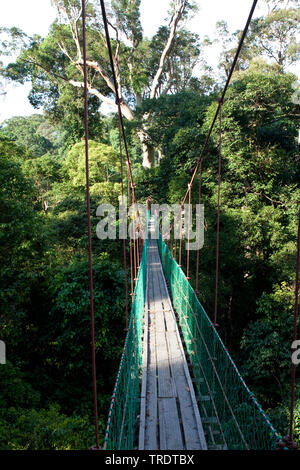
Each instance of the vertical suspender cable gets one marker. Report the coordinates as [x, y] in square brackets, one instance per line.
[223, 93]
[198, 251]
[221, 100]
[130, 241]
[89, 227]
[118, 102]
[293, 372]
[124, 241]
[180, 237]
[118, 98]
[188, 233]
[218, 215]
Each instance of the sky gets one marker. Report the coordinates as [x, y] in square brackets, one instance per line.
[35, 16]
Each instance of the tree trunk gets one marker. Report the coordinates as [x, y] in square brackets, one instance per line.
[148, 148]
[148, 155]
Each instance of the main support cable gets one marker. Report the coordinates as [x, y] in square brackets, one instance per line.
[189, 232]
[198, 250]
[293, 372]
[200, 158]
[118, 98]
[92, 314]
[218, 217]
[122, 128]
[124, 241]
[222, 96]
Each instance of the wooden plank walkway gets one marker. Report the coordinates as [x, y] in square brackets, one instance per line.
[169, 418]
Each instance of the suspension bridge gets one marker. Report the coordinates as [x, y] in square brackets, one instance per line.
[177, 387]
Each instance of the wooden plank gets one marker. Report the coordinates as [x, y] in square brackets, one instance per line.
[169, 319]
[189, 423]
[189, 386]
[165, 381]
[166, 372]
[145, 340]
[169, 425]
[149, 388]
[151, 397]
[144, 371]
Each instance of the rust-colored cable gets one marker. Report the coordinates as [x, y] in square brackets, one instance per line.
[118, 102]
[218, 217]
[198, 251]
[130, 241]
[223, 93]
[118, 98]
[180, 238]
[293, 371]
[175, 246]
[189, 231]
[138, 249]
[124, 241]
[92, 314]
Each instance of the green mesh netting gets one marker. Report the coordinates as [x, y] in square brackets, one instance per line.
[122, 425]
[232, 418]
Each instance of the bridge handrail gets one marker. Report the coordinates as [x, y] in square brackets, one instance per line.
[124, 407]
[227, 405]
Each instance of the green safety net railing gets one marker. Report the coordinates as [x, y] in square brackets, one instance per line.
[232, 418]
[122, 425]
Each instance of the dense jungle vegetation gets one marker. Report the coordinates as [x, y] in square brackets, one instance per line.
[46, 392]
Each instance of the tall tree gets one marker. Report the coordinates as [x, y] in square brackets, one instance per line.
[144, 68]
[274, 36]
[32, 133]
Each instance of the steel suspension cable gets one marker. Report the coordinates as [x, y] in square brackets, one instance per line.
[180, 237]
[188, 242]
[293, 371]
[118, 98]
[124, 242]
[218, 217]
[198, 250]
[118, 102]
[223, 94]
[130, 241]
[92, 313]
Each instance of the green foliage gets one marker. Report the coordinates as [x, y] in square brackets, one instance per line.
[183, 58]
[103, 163]
[273, 37]
[176, 122]
[148, 67]
[43, 171]
[19, 236]
[36, 303]
[44, 297]
[271, 335]
[106, 192]
[276, 36]
[128, 19]
[44, 429]
[15, 391]
[68, 333]
[280, 417]
[32, 133]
